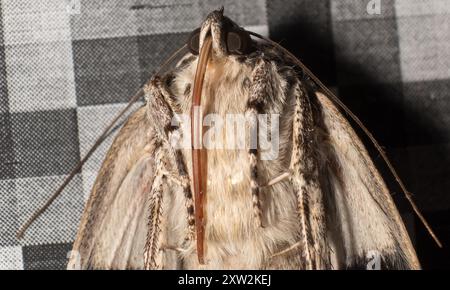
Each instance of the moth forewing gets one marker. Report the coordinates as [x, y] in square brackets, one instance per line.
[113, 227]
[363, 207]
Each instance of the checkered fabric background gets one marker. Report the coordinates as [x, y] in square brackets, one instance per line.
[67, 67]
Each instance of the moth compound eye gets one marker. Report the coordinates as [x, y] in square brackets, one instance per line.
[238, 42]
[194, 41]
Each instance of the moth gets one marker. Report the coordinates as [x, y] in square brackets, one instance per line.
[320, 204]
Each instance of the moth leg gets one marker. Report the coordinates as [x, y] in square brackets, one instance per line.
[182, 180]
[153, 256]
[170, 98]
[154, 247]
[157, 89]
[277, 179]
[287, 250]
[255, 105]
[167, 159]
[177, 179]
[183, 177]
[305, 180]
[172, 248]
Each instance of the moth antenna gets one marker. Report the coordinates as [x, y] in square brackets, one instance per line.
[94, 147]
[170, 59]
[366, 131]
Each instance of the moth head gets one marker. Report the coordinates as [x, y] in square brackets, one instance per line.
[228, 38]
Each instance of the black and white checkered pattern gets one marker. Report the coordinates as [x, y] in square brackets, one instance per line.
[67, 67]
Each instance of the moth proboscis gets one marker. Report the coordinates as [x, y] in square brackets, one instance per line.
[320, 204]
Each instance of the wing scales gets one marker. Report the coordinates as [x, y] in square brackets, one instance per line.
[364, 219]
[113, 227]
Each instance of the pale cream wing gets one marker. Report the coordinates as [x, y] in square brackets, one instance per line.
[363, 219]
[113, 228]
